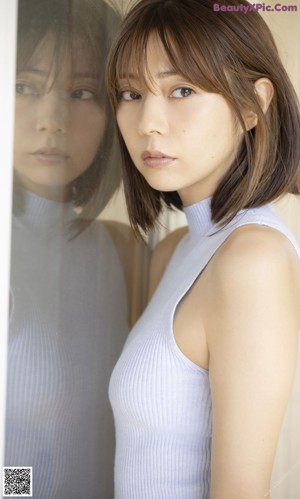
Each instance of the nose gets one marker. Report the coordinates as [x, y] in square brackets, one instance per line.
[52, 113]
[153, 117]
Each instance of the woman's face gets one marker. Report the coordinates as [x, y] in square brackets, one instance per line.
[179, 137]
[59, 121]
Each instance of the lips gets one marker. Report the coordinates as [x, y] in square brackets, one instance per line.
[156, 159]
[50, 155]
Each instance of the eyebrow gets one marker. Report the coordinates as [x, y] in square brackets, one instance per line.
[167, 74]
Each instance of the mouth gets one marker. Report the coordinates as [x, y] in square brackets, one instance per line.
[156, 159]
[50, 155]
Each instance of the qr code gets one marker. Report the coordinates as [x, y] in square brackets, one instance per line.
[17, 481]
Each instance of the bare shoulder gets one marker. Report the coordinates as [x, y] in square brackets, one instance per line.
[123, 239]
[162, 255]
[251, 321]
[126, 243]
[165, 248]
[255, 246]
[256, 264]
[117, 230]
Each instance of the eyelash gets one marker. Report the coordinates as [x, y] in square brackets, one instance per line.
[136, 96]
[121, 95]
[26, 89]
[75, 93]
[20, 89]
[190, 90]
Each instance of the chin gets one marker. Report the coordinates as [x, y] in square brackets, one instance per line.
[162, 186]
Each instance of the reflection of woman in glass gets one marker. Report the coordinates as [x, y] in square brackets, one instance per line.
[68, 298]
[210, 124]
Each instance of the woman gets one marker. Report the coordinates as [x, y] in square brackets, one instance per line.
[209, 123]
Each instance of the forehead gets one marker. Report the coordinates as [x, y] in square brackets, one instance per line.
[153, 53]
[151, 62]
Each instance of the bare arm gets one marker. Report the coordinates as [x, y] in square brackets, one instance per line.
[252, 323]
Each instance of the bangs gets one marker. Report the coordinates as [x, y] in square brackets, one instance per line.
[84, 55]
[79, 29]
[197, 57]
[67, 48]
[193, 38]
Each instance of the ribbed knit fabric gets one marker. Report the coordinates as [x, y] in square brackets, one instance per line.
[161, 400]
[68, 324]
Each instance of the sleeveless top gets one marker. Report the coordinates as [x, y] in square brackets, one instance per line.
[161, 400]
[67, 327]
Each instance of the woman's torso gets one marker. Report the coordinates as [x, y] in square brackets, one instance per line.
[161, 399]
[68, 324]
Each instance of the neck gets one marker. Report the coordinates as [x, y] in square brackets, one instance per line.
[199, 217]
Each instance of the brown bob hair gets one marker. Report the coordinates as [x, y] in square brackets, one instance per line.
[90, 24]
[221, 52]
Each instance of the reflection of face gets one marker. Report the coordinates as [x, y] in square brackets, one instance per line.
[180, 137]
[59, 121]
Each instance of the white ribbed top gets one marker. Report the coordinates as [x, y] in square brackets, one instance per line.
[68, 324]
[161, 400]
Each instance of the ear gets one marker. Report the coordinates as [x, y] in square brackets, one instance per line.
[264, 90]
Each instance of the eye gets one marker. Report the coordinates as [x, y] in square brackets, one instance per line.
[25, 89]
[128, 95]
[182, 92]
[83, 94]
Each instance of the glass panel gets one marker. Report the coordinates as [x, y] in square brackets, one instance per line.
[8, 12]
[68, 293]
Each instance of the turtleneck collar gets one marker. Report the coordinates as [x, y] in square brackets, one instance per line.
[44, 215]
[199, 217]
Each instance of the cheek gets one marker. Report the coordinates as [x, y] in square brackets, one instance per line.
[226, 130]
[23, 118]
[120, 128]
[91, 128]
[124, 122]
[22, 140]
